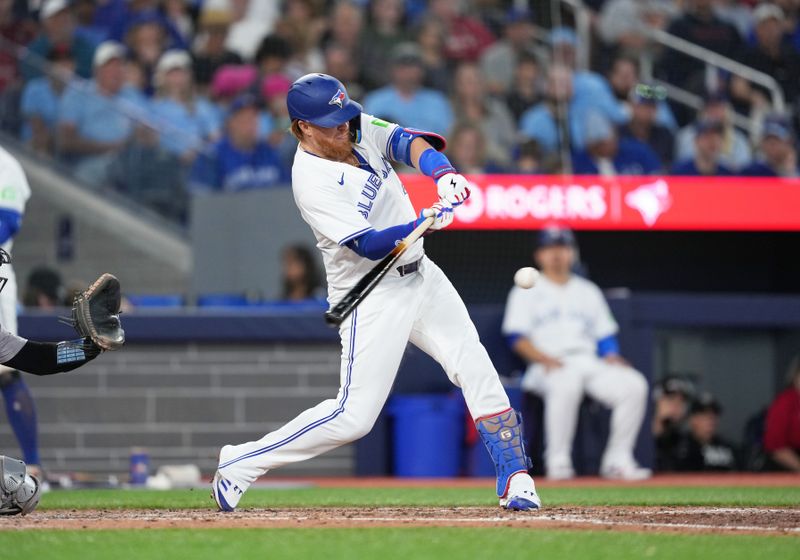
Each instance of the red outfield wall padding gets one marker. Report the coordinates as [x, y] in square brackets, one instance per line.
[623, 203]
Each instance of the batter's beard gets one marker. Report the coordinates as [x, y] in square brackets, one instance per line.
[336, 150]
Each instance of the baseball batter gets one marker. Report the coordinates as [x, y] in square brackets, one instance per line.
[564, 329]
[358, 209]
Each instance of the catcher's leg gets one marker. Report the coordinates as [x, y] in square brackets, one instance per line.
[21, 412]
[19, 491]
[373, 341]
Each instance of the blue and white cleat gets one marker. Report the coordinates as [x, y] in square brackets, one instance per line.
[521, 495]
[225, 492]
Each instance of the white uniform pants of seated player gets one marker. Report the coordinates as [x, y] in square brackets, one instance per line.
[422, 307]
[619, 387]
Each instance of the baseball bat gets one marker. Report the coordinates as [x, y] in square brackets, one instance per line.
[357, 293]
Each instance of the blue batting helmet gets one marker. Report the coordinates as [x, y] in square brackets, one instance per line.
[321, 100]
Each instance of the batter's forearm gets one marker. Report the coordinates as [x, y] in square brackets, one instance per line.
[787, 458]
[418, 147]
[47, 358]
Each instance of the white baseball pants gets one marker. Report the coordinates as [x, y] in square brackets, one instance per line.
[423, 308]
[621, 388]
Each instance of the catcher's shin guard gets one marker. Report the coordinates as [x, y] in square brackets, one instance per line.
[19, 491]
[502, 435]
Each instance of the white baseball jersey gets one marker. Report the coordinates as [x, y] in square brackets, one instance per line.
[341, 202]
[560, 320]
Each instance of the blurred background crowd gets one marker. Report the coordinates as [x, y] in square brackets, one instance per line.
[196, 88]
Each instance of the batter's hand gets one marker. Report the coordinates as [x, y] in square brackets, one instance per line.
[442, 214]
[453, 187]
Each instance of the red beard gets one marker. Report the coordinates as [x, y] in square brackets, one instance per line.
[336, 150]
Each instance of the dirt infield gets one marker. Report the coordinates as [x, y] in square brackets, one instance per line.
[774, 521]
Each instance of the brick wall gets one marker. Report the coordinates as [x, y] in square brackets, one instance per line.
[180, 402]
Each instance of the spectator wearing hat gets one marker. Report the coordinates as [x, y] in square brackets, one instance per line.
[96, 119]
[208, 49]
[608, 155]
[707, 160]
[58, 28]
[782, 429]
[735, 152]
[565, 332]
[770, 54]
[40, 100]
[623, 77]
[778, 152]
[405, 100]
[499, 61]
[701, 448]
[186, 120]
[240, 160]
[644, 127]
[671, 397]
[472, 103]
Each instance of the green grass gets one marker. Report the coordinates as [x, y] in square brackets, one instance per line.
[390, 543]
[308, 497]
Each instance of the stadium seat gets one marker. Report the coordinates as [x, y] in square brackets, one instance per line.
[156, 300]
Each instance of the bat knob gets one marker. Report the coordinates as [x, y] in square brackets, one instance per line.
[333, 319]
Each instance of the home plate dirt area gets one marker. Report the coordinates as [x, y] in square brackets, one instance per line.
[762, 520]
[659, 519]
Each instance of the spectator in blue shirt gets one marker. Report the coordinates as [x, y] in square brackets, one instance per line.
[240, 160]
[405, 100]
[778, 153]
[58, 28]
[557, 121]
[40, 98]
[98, 117]
[185, 120]
[607, 154]
[708, 152]
[644, 126]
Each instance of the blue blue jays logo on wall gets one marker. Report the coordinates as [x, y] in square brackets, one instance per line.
[338, 99]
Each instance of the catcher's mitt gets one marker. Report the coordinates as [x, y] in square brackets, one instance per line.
[95, 313]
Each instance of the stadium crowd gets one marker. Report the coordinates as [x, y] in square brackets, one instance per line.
[196, 88]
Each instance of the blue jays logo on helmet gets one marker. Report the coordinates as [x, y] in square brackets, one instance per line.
[338, 99]
[322, 100]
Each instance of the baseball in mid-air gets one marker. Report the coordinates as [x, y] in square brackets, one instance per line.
[526, 277]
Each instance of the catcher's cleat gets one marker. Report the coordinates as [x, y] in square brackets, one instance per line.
[225, 492]
[521, 495]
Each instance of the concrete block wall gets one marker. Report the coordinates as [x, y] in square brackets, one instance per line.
[181, 403]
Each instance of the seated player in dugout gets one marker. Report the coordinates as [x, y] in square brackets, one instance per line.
[358, 209]
[564, 330]
[20, 491]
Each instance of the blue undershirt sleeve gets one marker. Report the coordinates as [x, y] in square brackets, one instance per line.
[608, 345]
[511, 339]
[10, 221]
[374, 245]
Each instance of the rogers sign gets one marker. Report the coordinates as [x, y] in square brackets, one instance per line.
[622, 203]
[540, 202]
